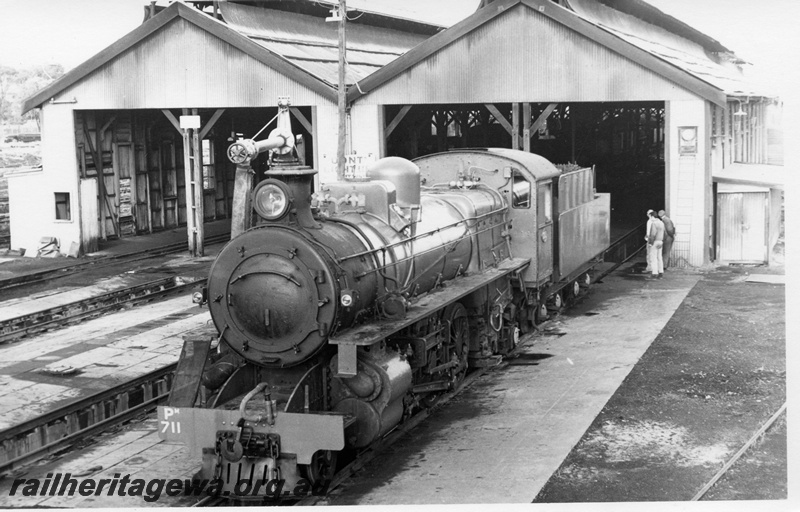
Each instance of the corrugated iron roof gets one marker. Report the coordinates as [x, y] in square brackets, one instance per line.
[301, 47]
[691, 55]
[567, 17]
[312, 44]
[438, 14]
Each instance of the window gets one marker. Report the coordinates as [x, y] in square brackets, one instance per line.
[62, 206]
[209, 183]
[545, 206]
[520, 190]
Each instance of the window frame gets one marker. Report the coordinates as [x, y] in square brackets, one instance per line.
[544, 206]
[516, 203]
[66, 203]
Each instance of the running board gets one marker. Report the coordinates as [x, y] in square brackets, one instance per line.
[374, 332]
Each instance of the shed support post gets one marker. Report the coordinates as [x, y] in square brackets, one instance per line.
[572, 125]
[193, 181]
[240, 218]
[542, 119]
[515, 126]
[396, 121]
[500, 118]
[526, 127]
[211, 122]
[199, 198]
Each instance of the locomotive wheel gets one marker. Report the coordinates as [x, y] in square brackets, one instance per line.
[586, 280]
[456, 315]
[541, 313]
[556, 302]
[522, 318]
[576, 289]
[321, 469]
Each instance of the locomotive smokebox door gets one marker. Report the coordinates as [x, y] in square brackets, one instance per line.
[267, 298]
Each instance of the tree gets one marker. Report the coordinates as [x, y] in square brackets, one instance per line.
[16, 85]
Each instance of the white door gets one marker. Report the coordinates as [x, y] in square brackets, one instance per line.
[742, 222]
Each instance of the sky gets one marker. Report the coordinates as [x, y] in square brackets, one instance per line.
[68, 32]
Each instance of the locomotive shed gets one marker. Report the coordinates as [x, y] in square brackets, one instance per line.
[654, 105]
[601, 110]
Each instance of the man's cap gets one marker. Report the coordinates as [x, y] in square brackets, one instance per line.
[649, 212]
[661, 213]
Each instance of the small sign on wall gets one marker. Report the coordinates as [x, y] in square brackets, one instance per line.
[687, 140]
[355, 166]
[188, 122]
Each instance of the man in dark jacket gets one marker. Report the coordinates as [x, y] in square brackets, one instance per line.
[669, 235]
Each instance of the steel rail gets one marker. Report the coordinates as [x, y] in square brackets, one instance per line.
[103, 261]
[73, 312]
[54, 431]
[624, 243]
[702, 492]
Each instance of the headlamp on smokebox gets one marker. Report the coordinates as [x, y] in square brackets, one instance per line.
[271, 199]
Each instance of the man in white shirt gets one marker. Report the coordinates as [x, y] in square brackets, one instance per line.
[655, 241]
[646, 235]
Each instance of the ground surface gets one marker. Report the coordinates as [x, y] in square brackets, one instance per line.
[713, 376]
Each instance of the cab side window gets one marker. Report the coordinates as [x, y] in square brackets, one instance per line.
[520, 190]
[545, 203]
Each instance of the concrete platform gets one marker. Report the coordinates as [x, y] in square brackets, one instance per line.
[45, 372]
[24, 265]
[500, 441]
[43, 301]
[136, 451]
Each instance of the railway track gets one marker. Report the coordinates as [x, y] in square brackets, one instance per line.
[736, 456]
[14, 329]
[624, 249]
[56, 431]
[370, 453]
[104, 261]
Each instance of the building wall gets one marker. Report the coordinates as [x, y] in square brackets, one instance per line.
[524, 56]
[688, 182]
[366, 131]
[326, 126]
[32, 195]
[182, 65]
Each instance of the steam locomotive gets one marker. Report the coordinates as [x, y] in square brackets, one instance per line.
[339, 312]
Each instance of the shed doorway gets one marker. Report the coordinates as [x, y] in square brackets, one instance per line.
[742, 224]
[623, 141]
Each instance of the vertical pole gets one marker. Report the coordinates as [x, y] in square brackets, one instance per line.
[515, 126]
[572, 124]
[526, 127]
[243, 184]
[342, 93]
[199, 206]
[187, 180]
[726, 136]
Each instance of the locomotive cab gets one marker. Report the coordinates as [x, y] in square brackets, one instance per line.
[558, 218]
